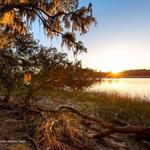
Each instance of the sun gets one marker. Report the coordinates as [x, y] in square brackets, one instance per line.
[115, 71]
[115, 65]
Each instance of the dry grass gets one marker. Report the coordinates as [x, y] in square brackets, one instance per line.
[105, 105]
[66, 131]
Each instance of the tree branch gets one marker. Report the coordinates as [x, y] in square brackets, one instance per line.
[99, 120]
[54, 16]
[110, 128]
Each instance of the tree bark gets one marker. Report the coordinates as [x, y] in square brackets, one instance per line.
[28, 97]
[7, 96]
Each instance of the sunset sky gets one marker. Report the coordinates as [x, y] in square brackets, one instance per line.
[121, 39]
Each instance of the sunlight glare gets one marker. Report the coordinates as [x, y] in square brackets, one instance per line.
[115, 72]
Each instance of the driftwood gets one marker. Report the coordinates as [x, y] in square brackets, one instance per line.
[111, 128]
[104, 124]
[55, 130]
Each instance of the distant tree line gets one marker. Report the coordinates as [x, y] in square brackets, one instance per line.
[136, 73]
[141, 73]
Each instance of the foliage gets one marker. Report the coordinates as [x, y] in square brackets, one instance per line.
[14, 61]
[135, 73]
[80, 78]
[24, 61]
[57, 17]
[55, 71]
[26, 64]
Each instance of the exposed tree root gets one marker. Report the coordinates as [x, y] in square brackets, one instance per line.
[58, 130]
[111, 128]
[99, 120]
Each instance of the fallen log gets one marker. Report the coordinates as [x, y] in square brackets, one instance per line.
[107, 128]
[111, 128]
[138, 130]
[95, 119]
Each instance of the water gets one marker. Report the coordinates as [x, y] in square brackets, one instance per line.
[133, 87]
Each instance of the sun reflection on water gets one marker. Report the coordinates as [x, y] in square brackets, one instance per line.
[132, 87]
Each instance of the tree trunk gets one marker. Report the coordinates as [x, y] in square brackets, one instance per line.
[28, 97]
[7, 96]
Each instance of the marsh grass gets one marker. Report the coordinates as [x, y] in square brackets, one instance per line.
[106, 105]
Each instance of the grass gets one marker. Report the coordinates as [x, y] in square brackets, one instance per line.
[107, 106]
[104, 105]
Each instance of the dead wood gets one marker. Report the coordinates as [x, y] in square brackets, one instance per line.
[99, 120]
[58, 130]
[111, 128]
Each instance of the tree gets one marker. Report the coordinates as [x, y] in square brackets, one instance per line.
[24, 56]
[43, 63]
[58, 18]
[26, 64]
[80, 78]
[14, 61]
[70, 76]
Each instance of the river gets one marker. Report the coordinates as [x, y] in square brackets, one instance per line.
[133, 87]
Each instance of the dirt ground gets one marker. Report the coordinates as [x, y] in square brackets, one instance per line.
[24, 129]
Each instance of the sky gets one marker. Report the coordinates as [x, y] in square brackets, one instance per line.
[121, 39]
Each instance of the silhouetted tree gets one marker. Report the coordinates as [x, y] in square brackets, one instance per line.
[14, 61]
[58, 18]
